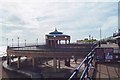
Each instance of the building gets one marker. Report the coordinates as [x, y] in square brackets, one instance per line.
[53, 49]
[54, 39]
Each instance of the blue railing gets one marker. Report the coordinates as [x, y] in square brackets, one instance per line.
[88, 61]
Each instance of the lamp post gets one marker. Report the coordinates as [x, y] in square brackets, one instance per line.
[89, 42]
[37, 41]
[25, 42]
[92, 41]
[89, 38]
[12, 42]
[18, 42]
[7, 41]
[100, 38]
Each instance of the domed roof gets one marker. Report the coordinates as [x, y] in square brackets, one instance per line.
[55, 32]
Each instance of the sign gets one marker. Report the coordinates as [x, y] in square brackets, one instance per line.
[104, 54]
[100, 54]
[108, 54]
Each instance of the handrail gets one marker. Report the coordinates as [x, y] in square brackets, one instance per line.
[86, 68]
[89, 56]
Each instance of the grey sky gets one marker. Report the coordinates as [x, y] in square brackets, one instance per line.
[33, 19]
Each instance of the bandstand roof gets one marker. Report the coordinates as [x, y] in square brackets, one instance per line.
[56, 33]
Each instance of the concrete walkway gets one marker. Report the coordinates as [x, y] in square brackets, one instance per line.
[108, 71]
[43, 70]
[29, 73]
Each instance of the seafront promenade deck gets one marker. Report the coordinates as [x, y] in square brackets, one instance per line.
[54, 68]
[103, 70]
[101, 67]
[62, 51]
[44, 71]
[109, 70]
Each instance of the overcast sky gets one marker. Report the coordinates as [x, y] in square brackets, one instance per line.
[31, 19]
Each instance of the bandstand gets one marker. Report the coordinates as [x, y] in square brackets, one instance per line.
[55, 38]
[57, 48]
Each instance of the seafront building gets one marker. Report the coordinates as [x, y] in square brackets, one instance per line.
[58, 55]
[57, 48]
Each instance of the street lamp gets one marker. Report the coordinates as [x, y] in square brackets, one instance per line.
[89, 38]
[25, 42]
[92, 41]
[100, 38]
[12, 42]
[7, 41]
[89, 42]
[18, 42]
[37, 41]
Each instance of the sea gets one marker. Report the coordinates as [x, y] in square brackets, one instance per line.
[4, 47]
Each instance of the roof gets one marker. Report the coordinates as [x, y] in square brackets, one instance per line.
[55, 35]
[55, 32]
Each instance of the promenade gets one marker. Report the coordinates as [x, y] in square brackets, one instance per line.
[107, 70]
[43, 71]
[103, 70]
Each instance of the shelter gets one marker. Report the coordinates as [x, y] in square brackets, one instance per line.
[53, 49]
[55, 38]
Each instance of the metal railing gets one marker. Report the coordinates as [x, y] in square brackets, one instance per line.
[59, 48]
[87, 60]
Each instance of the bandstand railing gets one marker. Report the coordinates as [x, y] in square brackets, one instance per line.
[87, 61]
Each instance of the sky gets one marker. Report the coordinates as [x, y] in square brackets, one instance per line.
[32, 19]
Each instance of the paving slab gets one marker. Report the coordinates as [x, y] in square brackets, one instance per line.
[108, 71]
